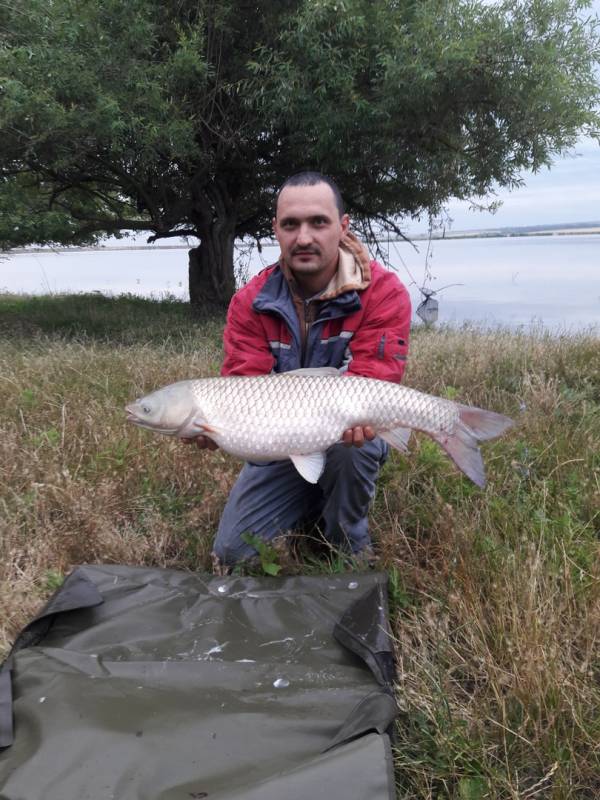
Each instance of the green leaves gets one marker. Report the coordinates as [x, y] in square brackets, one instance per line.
[266, 553]
[439, 99]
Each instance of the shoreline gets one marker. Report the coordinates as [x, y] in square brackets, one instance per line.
[459, 235]
[499, 235]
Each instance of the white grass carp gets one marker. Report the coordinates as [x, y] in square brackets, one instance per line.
[299, 414]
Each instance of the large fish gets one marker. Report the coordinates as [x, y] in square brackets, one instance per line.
[299, 414]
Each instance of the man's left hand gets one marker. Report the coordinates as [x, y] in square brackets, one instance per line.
[356, 437]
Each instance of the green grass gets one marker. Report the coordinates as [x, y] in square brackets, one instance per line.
[495, 593]
[127, 319]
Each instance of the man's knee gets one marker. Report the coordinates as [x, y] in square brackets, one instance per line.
[265, 500]
[364, 461]
[230, 550]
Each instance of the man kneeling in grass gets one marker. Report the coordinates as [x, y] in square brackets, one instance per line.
[325, 303]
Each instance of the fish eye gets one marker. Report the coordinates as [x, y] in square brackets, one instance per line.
[146, 409]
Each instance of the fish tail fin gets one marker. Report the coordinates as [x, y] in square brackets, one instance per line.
[475, 425]
[484, 425]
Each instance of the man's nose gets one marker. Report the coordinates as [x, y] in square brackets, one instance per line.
[304, 235]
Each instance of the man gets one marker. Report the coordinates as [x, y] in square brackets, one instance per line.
[325, 303]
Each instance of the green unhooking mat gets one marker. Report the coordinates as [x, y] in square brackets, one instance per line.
[151, 684]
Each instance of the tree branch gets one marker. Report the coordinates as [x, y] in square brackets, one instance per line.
[385, 220]
[172, 234]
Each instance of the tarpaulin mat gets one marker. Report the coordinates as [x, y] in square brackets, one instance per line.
[148, 684]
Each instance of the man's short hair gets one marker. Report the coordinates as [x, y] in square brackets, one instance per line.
[312, 179]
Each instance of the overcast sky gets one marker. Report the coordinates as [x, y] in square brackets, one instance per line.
[568, 192]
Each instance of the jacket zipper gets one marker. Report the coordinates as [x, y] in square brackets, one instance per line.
[307, 325]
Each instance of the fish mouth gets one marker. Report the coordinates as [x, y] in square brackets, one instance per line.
[131, 416]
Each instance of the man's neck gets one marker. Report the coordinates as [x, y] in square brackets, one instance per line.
[310, 285]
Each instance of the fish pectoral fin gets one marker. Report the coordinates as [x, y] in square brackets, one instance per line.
[398, 438]
[196, 427]
[309, 465]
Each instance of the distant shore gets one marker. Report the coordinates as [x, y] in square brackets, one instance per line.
[552, 229]
[504, 233]
[565, 229]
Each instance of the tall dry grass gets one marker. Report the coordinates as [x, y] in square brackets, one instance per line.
[498, 628]
[495, 592]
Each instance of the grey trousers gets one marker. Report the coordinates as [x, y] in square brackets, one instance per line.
[270, 498]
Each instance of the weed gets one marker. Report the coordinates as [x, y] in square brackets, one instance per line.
[28, 399]
[53, 580]
[267, 554]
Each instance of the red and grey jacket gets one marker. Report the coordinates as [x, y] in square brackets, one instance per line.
[360, 323]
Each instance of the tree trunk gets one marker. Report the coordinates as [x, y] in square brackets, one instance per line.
[211, 279]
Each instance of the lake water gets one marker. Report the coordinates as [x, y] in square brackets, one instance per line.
[550, 281]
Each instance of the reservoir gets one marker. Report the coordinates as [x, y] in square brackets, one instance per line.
[518, 282]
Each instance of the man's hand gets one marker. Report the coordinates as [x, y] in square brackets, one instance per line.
[203, 442]
[357, 436]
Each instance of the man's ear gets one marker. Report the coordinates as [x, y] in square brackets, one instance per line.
[274, 223]
[345, 223]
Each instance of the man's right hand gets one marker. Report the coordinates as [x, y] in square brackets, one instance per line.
[203, 442]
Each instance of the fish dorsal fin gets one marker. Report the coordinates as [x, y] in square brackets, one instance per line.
[398, 438]
[309, 465]
[312, 371]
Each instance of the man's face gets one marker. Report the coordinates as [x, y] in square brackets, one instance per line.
[309, 228]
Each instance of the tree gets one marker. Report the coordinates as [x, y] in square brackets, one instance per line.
[184, 117]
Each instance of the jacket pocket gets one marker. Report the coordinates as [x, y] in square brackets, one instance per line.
[391, 345]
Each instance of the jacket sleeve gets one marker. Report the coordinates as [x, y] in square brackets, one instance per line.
[379, 347]
[245, 343]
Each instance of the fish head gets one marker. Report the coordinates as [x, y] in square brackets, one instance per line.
[167, 410]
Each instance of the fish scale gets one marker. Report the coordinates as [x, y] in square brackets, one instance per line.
[300, 414]
[253, 416]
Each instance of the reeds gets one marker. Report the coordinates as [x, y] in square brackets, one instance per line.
[495, 592]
